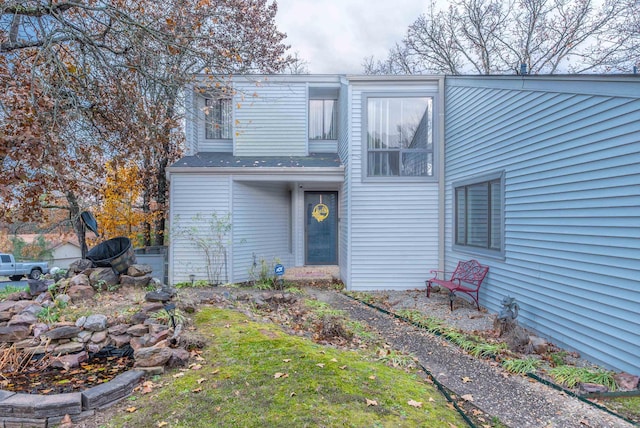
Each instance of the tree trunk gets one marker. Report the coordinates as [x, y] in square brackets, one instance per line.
[78, 225]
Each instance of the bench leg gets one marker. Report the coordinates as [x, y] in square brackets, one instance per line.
[428, 283]
[452, 296]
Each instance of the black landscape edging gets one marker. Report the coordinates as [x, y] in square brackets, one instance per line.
[528, 374]
[37, 410]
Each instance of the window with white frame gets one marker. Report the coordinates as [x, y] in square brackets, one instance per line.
[323, 119]
[399, 136]
[218, 119]
[478, 214]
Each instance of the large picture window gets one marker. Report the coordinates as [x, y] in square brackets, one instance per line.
[478, 214]
[218, 119]
[323, 118]
[399, 136]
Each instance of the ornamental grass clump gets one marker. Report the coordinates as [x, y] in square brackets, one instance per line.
[571, 376]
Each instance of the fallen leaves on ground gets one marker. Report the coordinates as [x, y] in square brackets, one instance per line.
[371, 402]
[280, 375]
[414, 403]
[466, 379]
[467, 397]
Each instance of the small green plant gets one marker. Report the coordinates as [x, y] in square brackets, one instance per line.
[396, 359]
[557, 358]
[521, 366]
[10, 289]
[163, 317]
[487, 350]
[262, 274]
[572, 376]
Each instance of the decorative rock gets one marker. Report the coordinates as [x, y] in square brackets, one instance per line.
[120, 340]
[80, 321]
[80, 279]
[138, 330]
[70, 360]
[626, 381]
[24, 318]
[99, 336]
[153, 307]
[81, 292]
[5, 316]
[80, 265]
[135, 281]
[68, 348]
[139, 342]
[29, 342]
[96, 322]
[139, 270]
[96, 347]
[591, 388]
[84, 336]
[32, 309]
[7, 306]
[39, 328]
[102, 278]
[43, 298]
[63, 298]
[37, 286]
[155, 328]
[65, 332]
[118, 329]
[139, 317]
[150, 357]
[157, 296]
[538, 344]
[179, 358]
[13, 333]
[172, 291]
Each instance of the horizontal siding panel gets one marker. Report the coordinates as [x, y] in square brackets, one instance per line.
[572, 193]
[261, 226]
[274, 122]
[192, 195]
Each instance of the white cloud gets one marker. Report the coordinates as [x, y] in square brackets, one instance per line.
[334, 36]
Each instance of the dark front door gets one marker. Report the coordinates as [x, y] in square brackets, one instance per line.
[321, 228]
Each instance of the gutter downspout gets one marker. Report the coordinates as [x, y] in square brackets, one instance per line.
[441, 175]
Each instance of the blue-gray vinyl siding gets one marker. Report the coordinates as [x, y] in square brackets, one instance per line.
[393, 223]
[570, 153]
[270, 118]
[193, 196]
[262, 226]
[343, 152]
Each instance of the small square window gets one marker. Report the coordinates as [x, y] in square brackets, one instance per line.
[478, 215]
[399, 133]
[323, 119]
[218, 119]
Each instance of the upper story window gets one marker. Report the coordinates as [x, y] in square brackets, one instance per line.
[399, 136]
[218, 119]
[478, 214]
[323, 119]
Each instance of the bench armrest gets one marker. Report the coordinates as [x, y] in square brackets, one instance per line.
[440, 273]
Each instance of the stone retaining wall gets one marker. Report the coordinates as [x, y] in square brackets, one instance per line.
[44, 411]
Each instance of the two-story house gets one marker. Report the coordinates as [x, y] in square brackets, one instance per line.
[388, 177]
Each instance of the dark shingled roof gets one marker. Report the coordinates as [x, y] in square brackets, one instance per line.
[227, 160]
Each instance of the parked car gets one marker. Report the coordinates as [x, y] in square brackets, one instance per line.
[16, 270]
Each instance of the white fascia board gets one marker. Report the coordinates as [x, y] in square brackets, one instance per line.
[331, 174]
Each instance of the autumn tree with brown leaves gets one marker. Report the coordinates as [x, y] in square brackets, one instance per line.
[86, 84]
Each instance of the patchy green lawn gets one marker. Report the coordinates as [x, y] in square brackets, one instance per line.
[255, 375]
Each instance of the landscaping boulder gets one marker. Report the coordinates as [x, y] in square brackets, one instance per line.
[14, 333]
[68, 348]
[135, 281]
[179, 358]
[99, 336]
[24, 318]
[70, 361]
[95, 322]
[157, 296]
[37, 286]
[152, 357]
[626, 381]
[102, 278]
[81, 292]
[80, 265]
[120, 340]
[79, 280]
[64, 332]
[137, 270]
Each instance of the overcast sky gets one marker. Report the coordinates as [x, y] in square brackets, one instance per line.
[334, 36]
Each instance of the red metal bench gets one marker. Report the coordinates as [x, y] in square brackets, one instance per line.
[467, 279]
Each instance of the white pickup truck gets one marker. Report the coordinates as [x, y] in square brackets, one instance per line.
[16, 270]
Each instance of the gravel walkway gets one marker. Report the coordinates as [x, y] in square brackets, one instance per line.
[517, 401]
